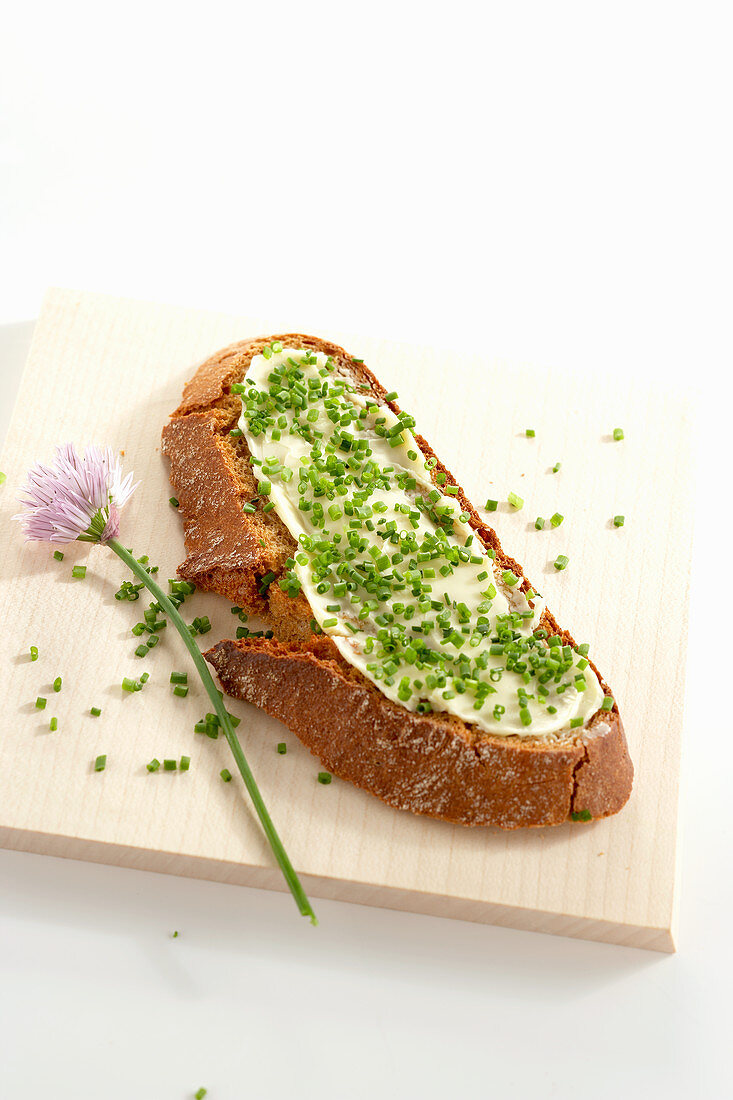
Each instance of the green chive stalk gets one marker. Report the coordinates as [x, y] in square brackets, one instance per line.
[289, 872]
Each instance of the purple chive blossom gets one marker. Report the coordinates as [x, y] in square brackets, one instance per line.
[78, 497]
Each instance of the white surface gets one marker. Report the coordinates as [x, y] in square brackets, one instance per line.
[557, 177]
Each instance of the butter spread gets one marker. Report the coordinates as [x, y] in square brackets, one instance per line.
[389, 564]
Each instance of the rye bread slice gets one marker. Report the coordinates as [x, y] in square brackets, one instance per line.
[430, 764]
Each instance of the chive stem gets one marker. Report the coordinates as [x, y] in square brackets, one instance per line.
[289, 872]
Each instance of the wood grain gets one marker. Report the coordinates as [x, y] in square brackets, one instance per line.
[109, 370]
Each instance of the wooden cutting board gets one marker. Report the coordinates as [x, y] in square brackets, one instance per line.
[109, 371]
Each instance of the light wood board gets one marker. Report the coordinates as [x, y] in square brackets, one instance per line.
[109, 371]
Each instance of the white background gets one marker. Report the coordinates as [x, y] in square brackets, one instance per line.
[552, 180]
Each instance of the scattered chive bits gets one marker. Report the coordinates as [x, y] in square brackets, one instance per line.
[170, 765]
[184, 764]
[607, 703]
[53, 725]
[226, 775]
[539, 523]
[79, 571]
[530, 433]
[175, 935]
[324, 778]
[383, 573]
[3, 478]
[556, 519]
[153, 765]
[282, 748]
[200, 1094]
[41, 703]
[180, 690]
[618, 521]
[100, 763]
[135, 685]
[34, 652]
[58, 555]
[179, 678]
[556, 467]
[173, 501]
[57, 684]
[581, 815]
[561, 561]
[618, 434]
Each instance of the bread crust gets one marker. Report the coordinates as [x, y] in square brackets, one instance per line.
[429, 764]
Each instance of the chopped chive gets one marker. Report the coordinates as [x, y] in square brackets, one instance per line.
[53, 725]
[556, 519]
[128, 684]
[3, 478]
[539, 523]
[509, 578]
[41, 703]
[58, 555]
[179, 678]
[618, 521]
[561, 561]
[57, 684]
[391, 396]
[34, 652]
[618, 434]
[575, 723]
[515, 501]
[325, 778]
[173, 502]
[141, 651]
[581, 815]
[329, 622]
[100, 763]
[169, 765]
[138, 629]
[79, 571]
[607, 703]
[530, 433]
[492, 505]
[556, 467]
[180, 690]
[201, 1093]
[282, 748]
[153, 765]
[185, 764]
[226, 775]
[96, 711]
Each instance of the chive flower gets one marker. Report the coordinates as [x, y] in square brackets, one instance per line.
[76, 499]
[79, 498]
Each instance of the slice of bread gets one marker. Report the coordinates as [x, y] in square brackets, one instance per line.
[431, 763]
